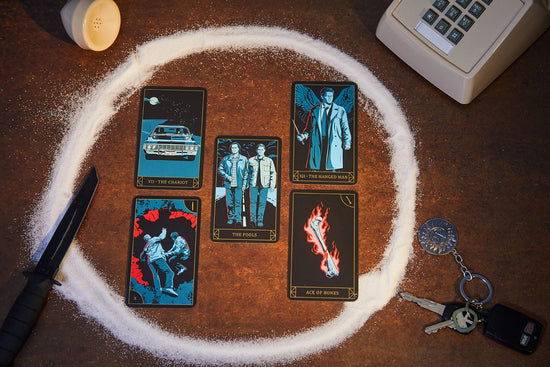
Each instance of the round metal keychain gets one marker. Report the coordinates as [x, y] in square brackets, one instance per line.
[439, 237]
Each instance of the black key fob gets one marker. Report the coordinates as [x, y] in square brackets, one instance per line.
[512, 329]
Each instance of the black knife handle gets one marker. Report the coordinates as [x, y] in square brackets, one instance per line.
[22, 317]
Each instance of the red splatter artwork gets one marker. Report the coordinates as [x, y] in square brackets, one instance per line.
[136, 272]
[137, 230]
[152, 215]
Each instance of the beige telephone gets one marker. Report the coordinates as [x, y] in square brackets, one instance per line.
[461, 46]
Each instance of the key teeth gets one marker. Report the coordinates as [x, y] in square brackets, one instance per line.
[431, 329]
[404, 295]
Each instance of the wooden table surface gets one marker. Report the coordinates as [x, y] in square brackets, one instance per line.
[483, 166]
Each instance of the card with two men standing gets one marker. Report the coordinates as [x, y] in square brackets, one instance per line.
[245, 205]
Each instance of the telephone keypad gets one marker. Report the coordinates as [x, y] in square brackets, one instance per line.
[447, 18]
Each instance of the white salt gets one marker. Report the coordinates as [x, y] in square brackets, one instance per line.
[97, 300]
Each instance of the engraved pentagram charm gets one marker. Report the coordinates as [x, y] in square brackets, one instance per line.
[437, 236]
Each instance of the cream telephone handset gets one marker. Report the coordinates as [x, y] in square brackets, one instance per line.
[461, 46]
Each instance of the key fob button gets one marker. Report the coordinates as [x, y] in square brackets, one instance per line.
[512, 329]
[529, 328]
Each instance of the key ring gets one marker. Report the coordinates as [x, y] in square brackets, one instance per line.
[471, 300]
[438, 237]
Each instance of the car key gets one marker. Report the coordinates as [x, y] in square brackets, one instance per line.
[463, 320]
[445, 310]
[512, 328]
[455, 314]
[430, 329]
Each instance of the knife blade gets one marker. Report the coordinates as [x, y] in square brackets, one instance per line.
[25, 311]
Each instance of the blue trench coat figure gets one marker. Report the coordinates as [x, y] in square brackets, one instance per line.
[329, 133]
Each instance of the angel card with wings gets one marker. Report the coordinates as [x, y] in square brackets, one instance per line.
[323, 131]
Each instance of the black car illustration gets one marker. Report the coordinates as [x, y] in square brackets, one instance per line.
[170, 140]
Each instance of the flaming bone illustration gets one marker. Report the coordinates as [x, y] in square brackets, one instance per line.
[332, 269]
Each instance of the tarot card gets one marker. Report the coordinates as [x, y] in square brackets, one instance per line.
[163, 252]
[323, 246]
[170, 141]
[323, 131]
[245, 205]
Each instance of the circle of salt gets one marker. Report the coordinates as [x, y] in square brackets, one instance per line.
[96, 300]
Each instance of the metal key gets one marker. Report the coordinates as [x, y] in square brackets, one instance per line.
[463, 320]
[428, 304]
[446, 311]
[430, 329]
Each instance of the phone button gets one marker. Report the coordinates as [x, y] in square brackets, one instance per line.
[476, 10]
[440, 4]
[455, 36]
[443, 26]
[466, 23]
[463, 3]
[453, 13]
[430, 16]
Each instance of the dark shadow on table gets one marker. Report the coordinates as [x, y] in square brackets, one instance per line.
[46, 13]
